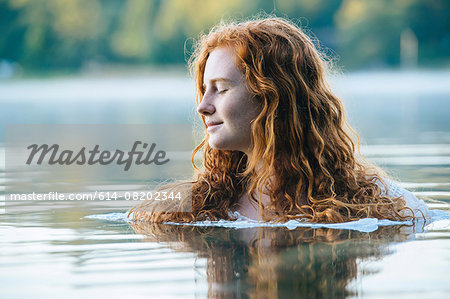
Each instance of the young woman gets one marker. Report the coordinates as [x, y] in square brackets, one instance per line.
[277, 145]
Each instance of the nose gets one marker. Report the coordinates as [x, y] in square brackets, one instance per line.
[206, 107]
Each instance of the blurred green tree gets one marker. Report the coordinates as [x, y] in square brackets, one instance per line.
[59, 34]
[133, 37]
[369, 31]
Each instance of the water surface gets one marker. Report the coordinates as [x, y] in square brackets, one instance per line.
[51, 249]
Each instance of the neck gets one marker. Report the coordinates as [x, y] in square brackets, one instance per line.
[251, 208]
[248, 207]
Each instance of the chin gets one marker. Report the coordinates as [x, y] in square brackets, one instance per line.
[217, 145]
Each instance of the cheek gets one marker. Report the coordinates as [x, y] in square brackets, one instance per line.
[240, 118]
[240, 111]
[248, 113]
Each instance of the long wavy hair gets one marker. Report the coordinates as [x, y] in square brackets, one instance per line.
[303, 154]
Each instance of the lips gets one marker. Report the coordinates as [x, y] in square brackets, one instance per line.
[211, 123]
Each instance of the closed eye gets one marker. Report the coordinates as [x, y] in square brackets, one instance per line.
[222, 91]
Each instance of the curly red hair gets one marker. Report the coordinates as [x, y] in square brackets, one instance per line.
[302, 153]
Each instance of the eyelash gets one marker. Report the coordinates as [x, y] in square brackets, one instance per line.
[217, 90]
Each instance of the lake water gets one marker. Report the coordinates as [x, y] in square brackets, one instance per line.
[58, 249]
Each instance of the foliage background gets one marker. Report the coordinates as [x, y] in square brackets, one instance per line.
[58, 35]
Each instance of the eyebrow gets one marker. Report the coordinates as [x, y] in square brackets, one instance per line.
[220, 80]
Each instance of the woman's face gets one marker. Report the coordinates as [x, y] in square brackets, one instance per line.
[227, 105]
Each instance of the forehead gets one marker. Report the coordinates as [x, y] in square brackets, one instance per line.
[221, 64]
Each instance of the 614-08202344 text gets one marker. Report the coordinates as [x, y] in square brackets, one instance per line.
[98, 195]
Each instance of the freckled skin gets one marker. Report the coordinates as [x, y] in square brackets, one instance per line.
[228, 102]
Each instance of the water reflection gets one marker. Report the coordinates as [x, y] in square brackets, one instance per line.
[51, 249]
[277, 262]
